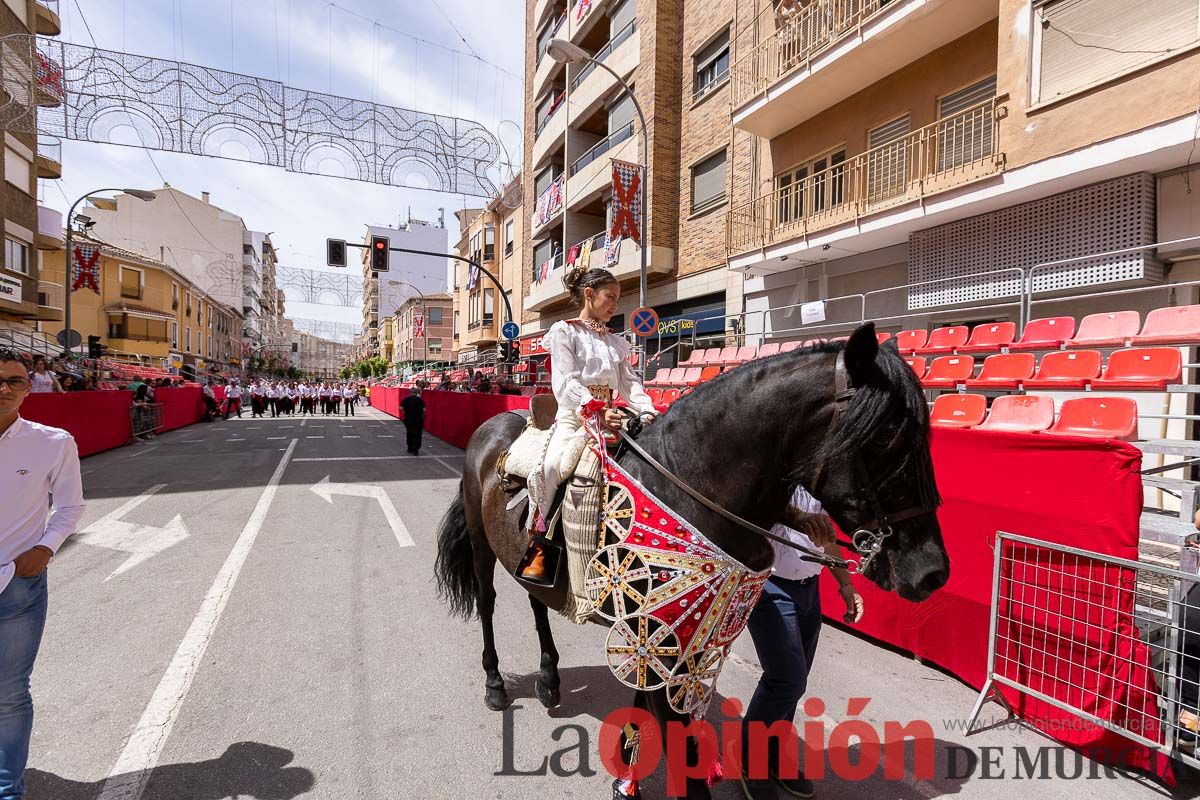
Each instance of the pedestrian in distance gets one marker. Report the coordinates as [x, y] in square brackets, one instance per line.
[350, 398]
[414, 419]
[44, 381]
[39, 469]
[335, 399]
[258, 400]
[233, 400]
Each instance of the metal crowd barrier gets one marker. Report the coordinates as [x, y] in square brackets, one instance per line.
[1087, 633]
[146, 419]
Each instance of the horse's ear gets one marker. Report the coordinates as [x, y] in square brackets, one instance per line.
[860, 353]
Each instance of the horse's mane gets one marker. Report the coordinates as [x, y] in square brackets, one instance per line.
[892, 400]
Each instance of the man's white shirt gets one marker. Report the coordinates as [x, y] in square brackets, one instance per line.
[787, 560]
[39, 468]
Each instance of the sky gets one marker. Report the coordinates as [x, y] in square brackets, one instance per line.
[363, 49]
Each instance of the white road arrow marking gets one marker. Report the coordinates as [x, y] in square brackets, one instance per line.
[324, 488]
[140, 541]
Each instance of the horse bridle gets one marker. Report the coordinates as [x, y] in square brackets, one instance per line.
[868, 538]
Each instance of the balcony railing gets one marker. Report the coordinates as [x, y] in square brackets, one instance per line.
[555, 105]
[952, 151]
[601, 147]
[604, 52]
[50, 147]
[812, 30]
[542, 271]
[549, 203]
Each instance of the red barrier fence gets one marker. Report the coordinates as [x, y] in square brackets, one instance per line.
[100, 420]
[1075, 491]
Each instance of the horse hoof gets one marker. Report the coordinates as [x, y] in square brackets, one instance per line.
[496, 700]
[548, 697]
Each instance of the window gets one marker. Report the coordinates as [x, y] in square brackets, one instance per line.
[546, 177]
[131, 283]
[187, 340]
[541, 254]
[434, 347]
[489, 242]
[621, 17]
[210, 350]
[966, 133]
[708, 182]
[17, 170]
[887, 160]
[188, 309]
[508, 238]
[489, 305]
[175, 335]
[811, 187]
[174, 296]
[1081, 43]
[129, 326]
[435, 316]
[16, 256]
[711, 65]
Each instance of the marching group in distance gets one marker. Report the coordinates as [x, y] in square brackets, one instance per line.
[283, 398]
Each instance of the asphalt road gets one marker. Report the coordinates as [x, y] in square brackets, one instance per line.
[242, 616]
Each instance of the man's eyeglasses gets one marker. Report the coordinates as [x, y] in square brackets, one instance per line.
[16, 384]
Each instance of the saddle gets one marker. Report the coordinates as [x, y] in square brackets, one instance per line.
[525, 454]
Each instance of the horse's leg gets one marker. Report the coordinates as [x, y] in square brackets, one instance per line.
[495, 697]
[697, 788]
[547, 683]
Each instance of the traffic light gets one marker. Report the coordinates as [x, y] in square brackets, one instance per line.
[335, 252]
[93, 347]
[509, 353]
[380, 248]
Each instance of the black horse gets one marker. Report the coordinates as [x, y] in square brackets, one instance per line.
[744, 440]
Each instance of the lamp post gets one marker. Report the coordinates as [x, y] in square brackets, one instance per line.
[567, 53]
[424, 319]
[140, 194]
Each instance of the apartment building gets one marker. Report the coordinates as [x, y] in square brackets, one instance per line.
[914, 157]
[147, 309]
[409, 275]
[422, 331]
[30, 229]
[493, 236]
[675, 55]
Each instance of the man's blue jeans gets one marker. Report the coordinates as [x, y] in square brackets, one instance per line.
[22, 618]
[785, 626]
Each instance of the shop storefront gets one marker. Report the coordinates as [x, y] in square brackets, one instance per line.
[686, 326]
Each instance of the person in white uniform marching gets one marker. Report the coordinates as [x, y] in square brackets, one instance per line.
[349, 397]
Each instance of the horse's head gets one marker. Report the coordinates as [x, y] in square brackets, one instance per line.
[874, 472]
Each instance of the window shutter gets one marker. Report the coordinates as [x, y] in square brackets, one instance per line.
[887, 160]
[1084, 42]
[620, 113]
[621, 16]
[965, 138]
[708, 180]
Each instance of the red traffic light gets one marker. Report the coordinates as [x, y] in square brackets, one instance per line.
[380, 244]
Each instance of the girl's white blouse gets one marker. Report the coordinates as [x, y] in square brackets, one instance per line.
[581, 357]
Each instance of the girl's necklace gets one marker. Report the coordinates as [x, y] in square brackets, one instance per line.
[596, 325]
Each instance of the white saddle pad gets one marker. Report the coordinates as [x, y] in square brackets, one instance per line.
[525, 454]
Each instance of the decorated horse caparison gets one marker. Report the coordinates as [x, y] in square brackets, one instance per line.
[848, 421]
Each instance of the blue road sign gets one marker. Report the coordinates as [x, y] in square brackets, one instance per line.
[511, 330]
[644, 322]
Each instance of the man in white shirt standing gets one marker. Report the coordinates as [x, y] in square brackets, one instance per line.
[785, 626]
[38, 466]
[233, 399]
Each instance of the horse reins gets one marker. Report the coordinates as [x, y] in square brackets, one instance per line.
[867, 540]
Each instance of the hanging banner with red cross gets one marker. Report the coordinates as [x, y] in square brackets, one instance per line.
[49, 76]
[418, 325]
[626, 201]
[86, 272]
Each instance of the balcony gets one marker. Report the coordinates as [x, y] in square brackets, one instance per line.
[540, 10]
[832, 49]
[584, 15]
[49, 86]
[481, 332]
[550, 131]
[49, 157]
[547, 67]
[591, 173]
[45, 18]
[50, 302]
[550, 292]
[548, 208]
[50, 229]
[590, 84]
[953, 151]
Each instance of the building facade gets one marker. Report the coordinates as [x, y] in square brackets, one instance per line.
[423, 331]
[493, 236]
[146, 310]
[408, 275]
[27, 298]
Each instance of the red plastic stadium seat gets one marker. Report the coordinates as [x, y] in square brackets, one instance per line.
[691, 375]
[1141, 368]
[917, 364]
[1112, 329]
[655, 395]
[745, 353]
[1020, 413]
[658, 377]
[1004, 371]
[1048, 333]
[883, 337]
[947, 372]
[670, 396]
[790, 346]
[944, 340]
[767, 350]
[1066, 369]
[695, 359]
[711, 356]
[708, 373]
[958, 411]
[1176, 325]
[910, 341]
[990, 338]
[1107, 417]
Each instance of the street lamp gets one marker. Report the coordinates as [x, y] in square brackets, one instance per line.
[566, 52]
[424, 320]
[140, 194]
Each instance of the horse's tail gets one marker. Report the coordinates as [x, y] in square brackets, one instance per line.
[455, 564]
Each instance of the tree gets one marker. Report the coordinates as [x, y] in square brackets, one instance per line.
[344, 373]
[363, 368]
